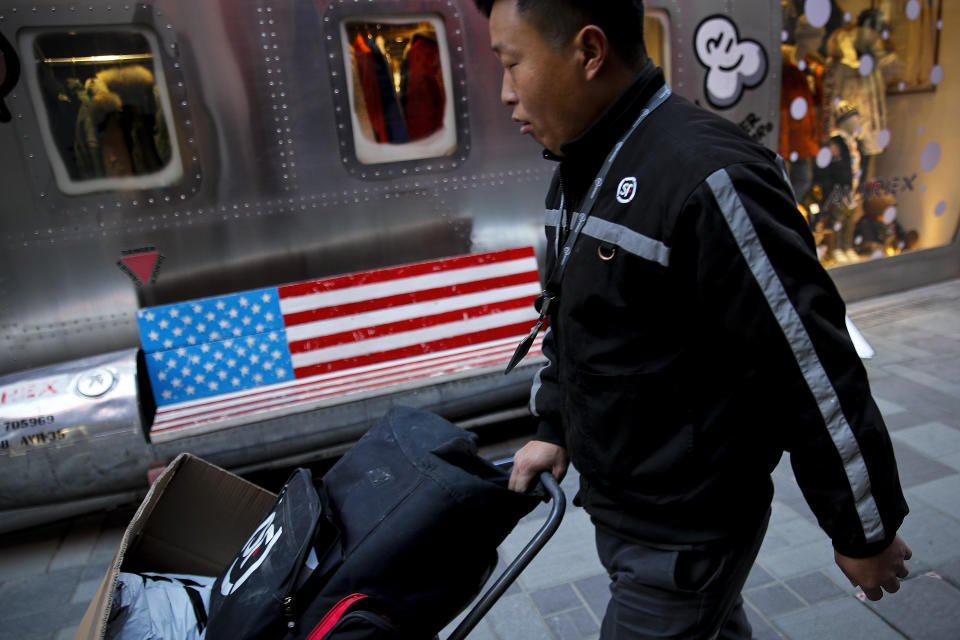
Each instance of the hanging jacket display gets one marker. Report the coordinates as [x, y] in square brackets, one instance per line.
[368, 87]
[120, 130]
[424, 99]
[800, 136]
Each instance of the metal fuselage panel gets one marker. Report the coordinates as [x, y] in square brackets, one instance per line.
[71, 430]
[269, 192]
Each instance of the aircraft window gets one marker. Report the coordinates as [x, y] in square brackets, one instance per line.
[656, 37]
[103, 107]
[399, 86]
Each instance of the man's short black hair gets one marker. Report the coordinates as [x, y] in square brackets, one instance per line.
[560, 20]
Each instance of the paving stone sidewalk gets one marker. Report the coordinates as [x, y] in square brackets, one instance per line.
[49, 574]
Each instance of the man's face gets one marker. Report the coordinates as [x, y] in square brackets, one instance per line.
[541, 81]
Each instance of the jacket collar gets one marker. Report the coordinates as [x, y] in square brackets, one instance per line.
[583, 155]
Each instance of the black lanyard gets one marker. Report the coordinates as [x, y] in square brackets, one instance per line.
[549, 294]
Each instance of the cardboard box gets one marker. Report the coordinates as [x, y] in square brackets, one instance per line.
[194, 519]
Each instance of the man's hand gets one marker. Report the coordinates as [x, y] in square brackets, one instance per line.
[534, 457]
[880, 571]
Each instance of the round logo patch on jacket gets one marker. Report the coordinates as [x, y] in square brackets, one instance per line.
[626, 190]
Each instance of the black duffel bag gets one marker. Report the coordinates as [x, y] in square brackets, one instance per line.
[411, 518]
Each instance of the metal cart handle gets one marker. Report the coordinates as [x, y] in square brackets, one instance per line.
[520, 562]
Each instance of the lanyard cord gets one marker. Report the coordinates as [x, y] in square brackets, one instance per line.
[580, 219]
[549, 294]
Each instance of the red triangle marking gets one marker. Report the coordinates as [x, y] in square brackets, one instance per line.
[142, 264]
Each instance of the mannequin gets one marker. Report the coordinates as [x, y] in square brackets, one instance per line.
[840, 181]
[849, 48]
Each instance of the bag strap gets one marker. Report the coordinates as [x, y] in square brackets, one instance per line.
[289, 607]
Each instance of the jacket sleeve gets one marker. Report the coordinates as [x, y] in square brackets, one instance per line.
[759, 279]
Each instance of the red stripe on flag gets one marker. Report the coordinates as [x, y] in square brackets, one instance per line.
[498, 333]
[410, 324]
[406, 271]
[325, 313]
[255, 392]
[321, 390]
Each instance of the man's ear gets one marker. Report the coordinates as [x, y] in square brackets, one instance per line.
[593, 49]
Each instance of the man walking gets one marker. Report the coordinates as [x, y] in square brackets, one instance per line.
[693, 335]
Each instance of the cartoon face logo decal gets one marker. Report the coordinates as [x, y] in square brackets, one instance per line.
[732, 64]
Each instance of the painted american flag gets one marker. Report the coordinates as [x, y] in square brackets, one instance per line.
[275, 349]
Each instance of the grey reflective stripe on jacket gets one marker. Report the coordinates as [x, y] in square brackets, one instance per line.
[538, 382]
[813, 372]
[620, 236]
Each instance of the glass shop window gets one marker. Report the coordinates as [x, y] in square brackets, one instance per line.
[866, 125]
[103, 107]
[400, 88]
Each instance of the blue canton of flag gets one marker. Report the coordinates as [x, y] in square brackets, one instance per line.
[215, 345]
[207, 320]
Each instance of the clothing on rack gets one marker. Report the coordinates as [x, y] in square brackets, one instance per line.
[424, 98]
[800, 136]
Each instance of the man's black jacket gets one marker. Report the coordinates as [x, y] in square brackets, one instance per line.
[681, 368]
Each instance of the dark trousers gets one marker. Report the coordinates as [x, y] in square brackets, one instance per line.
[690, 593]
